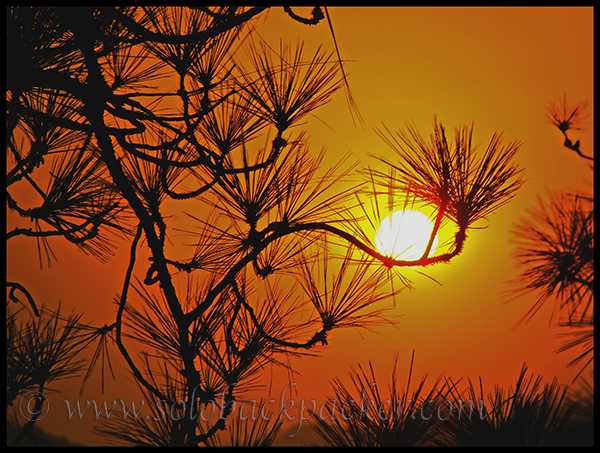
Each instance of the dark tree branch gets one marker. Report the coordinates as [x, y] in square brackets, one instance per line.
[575, 147]
[277, 230]
[320, 336]
[212, 32]
[119, 320]
[16, 286]
[316, 16]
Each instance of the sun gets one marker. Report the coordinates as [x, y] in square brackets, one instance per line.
[404, 235]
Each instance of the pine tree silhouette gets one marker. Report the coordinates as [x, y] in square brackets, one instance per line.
[129, 111]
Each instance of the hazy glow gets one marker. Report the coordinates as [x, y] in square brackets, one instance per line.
[404, 235]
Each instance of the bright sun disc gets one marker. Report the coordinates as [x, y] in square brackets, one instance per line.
[404, 235]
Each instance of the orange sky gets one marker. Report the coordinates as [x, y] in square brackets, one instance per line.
[496, 67]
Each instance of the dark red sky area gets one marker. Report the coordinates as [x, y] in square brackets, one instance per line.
[496, 67]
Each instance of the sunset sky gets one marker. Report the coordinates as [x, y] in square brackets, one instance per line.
[495, 67]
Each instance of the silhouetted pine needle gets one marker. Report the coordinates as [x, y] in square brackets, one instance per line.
[152, 326]
[79, 204]
[283, 255]
[378, 199]
[150, 179]
[101, 354]
[213, 376]
[556, 249]
[375, 202]
[526, 415]
[275, 324]
[565, 118]
[45, 135]
[581, 338]
[41, 350]
[83, 336]
[214, 64]
[229, 125]
[290, 191]
[582, 397]
[284, 92]
[350, 296]
[216, 248]
[556, 245]
[129, 68]
[17, 379]
[348, 257]
[175, 21]
[158, 428]
[77, 200]
[253, 431]
[353, 107]
[78, 190]
[253, 336]
[370, 420]
[307, 197]
[228, 345]
[246, 197]
[210, 324]
[451, 174]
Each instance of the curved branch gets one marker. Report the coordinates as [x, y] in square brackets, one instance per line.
[119, 321]
[278, 144]
[68, 234]
[212, 32]
[16, 286]
[132, 148]
[318, 336]
[95, 221]
[316, 16]
[436, 227]
[55, 120]
[386, 260]
[187, 195]
[574, 147]
[280, 229]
